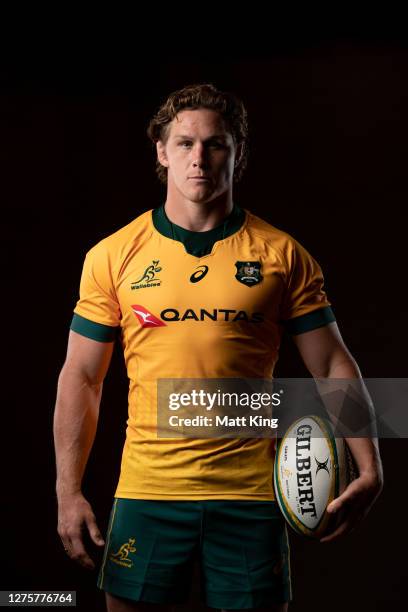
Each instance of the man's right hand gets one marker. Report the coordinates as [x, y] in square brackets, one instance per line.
[75, 515]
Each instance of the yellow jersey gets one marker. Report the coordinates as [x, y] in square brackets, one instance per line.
[220, 315]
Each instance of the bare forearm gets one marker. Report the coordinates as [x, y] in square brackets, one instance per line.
[365, 450]
[75, 422]
[338, 378]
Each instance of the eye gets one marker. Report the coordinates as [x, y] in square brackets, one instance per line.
[217, 145]
[185, 144]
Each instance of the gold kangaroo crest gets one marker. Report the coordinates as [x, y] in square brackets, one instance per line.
[121, 557]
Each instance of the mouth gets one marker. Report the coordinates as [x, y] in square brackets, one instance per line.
[199, 178]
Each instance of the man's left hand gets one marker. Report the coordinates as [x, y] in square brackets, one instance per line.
[354, 503]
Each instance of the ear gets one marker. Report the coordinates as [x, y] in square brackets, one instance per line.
[238, 153]
[161, 153]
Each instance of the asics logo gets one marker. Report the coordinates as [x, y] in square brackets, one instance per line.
[198, 274]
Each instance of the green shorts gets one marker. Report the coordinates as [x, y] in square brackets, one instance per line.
[242, 548]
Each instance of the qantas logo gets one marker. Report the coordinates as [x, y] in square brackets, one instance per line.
[146, 318]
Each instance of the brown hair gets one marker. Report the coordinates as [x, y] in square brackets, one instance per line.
[192, 97]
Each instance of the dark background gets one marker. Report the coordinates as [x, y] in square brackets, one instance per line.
[328, 141]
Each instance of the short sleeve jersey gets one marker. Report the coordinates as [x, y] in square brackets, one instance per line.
[217, 316]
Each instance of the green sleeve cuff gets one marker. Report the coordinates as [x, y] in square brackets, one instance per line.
[309, 321]
[95, 331]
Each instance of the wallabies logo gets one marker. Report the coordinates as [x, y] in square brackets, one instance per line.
[121, 557]
[149, 277]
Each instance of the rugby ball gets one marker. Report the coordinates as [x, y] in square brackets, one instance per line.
[312, 468]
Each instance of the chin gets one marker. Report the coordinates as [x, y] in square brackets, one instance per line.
[200, 198]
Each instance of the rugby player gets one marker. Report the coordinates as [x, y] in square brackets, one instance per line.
[196, 288]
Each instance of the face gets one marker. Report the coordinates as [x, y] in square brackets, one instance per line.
[199, 153]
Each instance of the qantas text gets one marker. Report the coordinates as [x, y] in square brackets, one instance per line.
[215, 314]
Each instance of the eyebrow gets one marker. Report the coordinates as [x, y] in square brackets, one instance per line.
[214, 137]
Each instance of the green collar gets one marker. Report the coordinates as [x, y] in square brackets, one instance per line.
[198, 243]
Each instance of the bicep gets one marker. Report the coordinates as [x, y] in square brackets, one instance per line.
[88, 358]
[322, 349]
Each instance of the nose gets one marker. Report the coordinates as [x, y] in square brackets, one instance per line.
[198, 157]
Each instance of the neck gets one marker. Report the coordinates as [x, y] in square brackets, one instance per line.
[198, 216]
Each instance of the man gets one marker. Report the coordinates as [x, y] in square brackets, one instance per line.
[200, 289]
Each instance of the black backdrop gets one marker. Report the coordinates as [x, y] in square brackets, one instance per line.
[327, 164]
